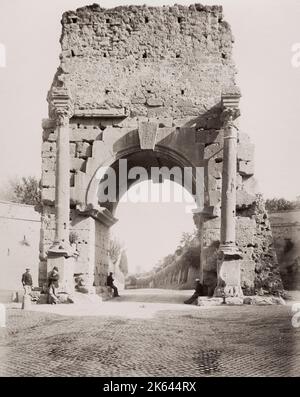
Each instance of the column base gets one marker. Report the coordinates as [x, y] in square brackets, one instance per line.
[229, 278]
[85, 289]
[65, 268]
[233, 291]
[60, 249]
[229, 251]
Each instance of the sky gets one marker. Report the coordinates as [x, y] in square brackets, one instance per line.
[265, 32]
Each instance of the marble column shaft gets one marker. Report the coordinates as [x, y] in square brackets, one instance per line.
[62, 188]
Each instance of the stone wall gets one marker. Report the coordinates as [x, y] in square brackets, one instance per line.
[179, 274]
[147, 61]
[286, 232]
[260, 268]
[20, 234]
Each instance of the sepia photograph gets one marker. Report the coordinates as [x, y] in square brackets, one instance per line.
[149, 191]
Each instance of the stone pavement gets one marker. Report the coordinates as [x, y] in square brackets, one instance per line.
[168, 340]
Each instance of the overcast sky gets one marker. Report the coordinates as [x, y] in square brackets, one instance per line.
[264, 30]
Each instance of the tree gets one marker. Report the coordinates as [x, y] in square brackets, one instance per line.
[281, 204]
[124, 263]
[186, 239]
[115, 249]
[185, 242]
[26, 190]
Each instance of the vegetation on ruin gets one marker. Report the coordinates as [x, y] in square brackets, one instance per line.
[281, 204]
[185, 256]
[25, 190]
[118, 255]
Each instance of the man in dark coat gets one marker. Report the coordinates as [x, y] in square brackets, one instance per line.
[53, 285]
[110, 283]
[27, 282]
[198, 292]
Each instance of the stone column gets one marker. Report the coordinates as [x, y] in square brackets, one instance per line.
[229, 189]
[229, 256]
[60, 253]
[62, 186]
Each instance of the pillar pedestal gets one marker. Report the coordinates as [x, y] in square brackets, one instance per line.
[65, 266]
[229, 275]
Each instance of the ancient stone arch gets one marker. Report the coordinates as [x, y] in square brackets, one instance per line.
[155, 86]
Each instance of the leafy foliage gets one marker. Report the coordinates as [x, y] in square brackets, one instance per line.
[26, 190]
[185, 256]
[115, 249]
[281, 204]
[124, 263]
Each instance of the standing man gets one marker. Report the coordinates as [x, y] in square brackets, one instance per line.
[198, 292]
[110, 283]
[52, 286]
[27, 282]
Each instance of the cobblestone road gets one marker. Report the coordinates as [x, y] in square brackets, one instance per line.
[177, 341]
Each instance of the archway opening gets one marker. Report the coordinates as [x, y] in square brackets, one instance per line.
[158, 241]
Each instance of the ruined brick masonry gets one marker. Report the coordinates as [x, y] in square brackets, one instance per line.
[167, 67]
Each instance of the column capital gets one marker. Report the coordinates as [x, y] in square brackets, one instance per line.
[231, 100]
[230, 110]
[60, 105]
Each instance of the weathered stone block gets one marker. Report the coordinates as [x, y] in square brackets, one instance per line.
[249, 185]
[239, 182]
[84, 150]
[48, 124]
[88, 135]
[76, 164]
[52, 137]
[246, 167]
[138, 100]
[215, 197]
[245, 151]
[213, 151]
[48, 163]
[147, 134]
[215, 169]
[244, 199]
[48, 195]
[214, 183]
[72, 147]
[48, 179]
[165, 122]
[155, 102]
[233, 301]
[129, 122]
[48, 149]
[263, 300]
[157, 112]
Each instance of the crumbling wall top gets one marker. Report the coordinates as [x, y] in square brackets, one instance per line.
[151, 61]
